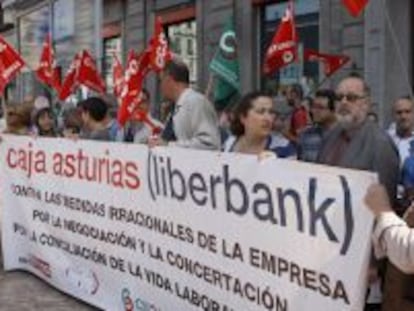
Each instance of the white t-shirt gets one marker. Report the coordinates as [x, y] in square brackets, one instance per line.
[402, 144]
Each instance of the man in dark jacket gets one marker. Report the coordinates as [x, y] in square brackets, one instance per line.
[94, 111]
[358, 143]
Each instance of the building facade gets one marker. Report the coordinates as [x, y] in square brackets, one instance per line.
[73, 24]
[379, 42]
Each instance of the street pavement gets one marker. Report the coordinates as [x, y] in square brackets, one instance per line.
[21, 291]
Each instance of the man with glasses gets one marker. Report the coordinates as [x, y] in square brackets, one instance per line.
[322, 112]
[358, 143]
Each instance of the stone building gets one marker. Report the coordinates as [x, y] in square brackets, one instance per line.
[379, 42]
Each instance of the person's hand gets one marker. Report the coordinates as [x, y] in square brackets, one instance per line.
[372, 275]
[377, 199]
[34, 135]
[409, 214]
[266, 155]
[155, 140]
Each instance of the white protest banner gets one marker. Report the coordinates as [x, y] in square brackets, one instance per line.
[125, 228]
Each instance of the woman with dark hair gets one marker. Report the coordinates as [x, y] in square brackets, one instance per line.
[251, 125]
[45, 122]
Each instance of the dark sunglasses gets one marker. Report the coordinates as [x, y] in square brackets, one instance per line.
[349, 97]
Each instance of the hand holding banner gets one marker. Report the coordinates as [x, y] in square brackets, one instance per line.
[143, 116]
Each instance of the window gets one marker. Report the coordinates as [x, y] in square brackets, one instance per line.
[190, 47]
[112, 47]
[33, 28]
[175, 45]
[307, 24]
[183, 42]
[63, 19]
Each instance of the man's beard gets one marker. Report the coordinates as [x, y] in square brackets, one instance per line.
[346, 121]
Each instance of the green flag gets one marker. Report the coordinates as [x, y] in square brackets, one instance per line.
[225, 66]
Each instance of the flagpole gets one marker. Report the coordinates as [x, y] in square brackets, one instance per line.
[398, 49]
[298, 62]
[211, 76]
[3, 106]
[210, 82]
[326, 78]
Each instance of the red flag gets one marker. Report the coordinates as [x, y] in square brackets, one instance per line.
[137, 68]
[355, 7]
[88, 74]
[331, 63]
[131, 55]
[117, 76]
[158, 48]
[144, 117]
[47, 71]
[70, 83]
[283, 49]
[10, 63]
[44, 71]
[56, 80]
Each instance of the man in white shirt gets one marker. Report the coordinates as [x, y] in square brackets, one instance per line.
[403, 133]
[194, 119]
[392, 237]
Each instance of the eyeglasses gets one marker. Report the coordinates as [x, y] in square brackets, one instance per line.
[349, 97]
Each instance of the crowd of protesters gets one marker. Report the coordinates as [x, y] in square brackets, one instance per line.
[334, 127]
